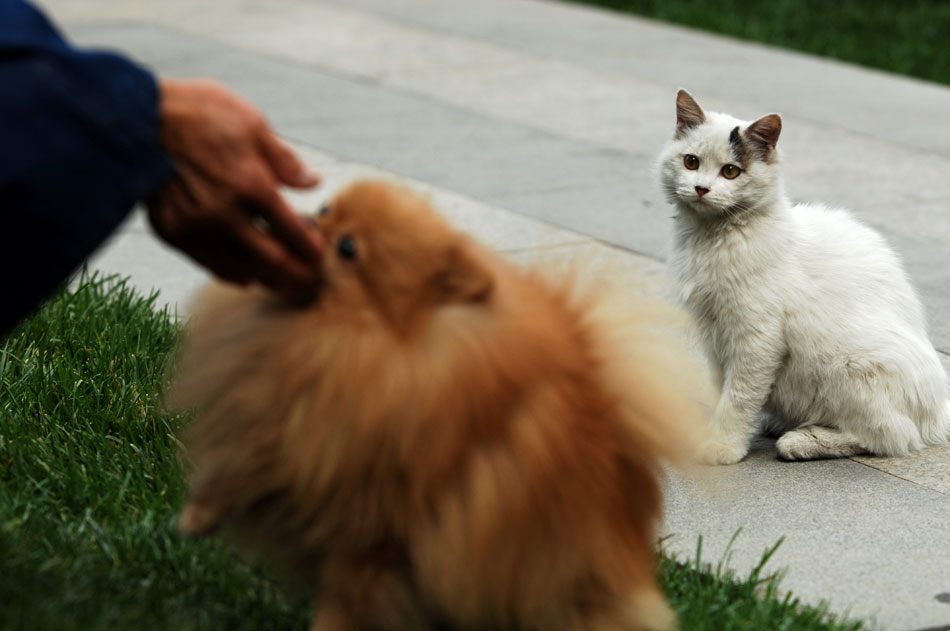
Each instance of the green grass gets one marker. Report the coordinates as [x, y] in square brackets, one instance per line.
[710, 597]
[903, 36]
[91, 481]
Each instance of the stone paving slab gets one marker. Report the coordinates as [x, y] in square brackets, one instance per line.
[871, 543]
[866, 101]
[471, 125]
[929, 468]
[499, 228]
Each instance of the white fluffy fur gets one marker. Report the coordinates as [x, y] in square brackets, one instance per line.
[808, 313]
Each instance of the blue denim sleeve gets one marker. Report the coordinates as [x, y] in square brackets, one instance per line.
[78, 148]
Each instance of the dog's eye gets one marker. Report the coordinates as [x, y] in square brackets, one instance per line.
[346, 248]
[323, 210]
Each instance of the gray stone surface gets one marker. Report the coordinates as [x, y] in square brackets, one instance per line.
[534, 126]
[929, 468]
[471, 125]
[873, 543]
[758, 77]
[505, 230]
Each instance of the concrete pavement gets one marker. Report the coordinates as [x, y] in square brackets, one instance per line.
[535, 125]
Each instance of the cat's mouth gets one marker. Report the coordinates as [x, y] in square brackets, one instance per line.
[698, 203]
[702, 205]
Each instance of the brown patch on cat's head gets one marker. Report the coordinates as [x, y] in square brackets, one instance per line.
[688, 113]
[739, 151]
[387, 245]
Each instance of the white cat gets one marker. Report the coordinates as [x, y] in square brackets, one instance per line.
[808, 314]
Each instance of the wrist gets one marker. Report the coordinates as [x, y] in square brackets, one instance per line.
[178, 95]
[170, 111]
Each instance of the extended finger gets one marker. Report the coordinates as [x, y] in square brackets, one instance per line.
[287, 227]
[284, 163]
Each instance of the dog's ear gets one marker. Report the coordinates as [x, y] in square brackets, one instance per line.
[461, 277]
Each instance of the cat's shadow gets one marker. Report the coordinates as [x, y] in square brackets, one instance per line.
[763, 443]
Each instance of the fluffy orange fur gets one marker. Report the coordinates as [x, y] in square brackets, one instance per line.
[442, 439]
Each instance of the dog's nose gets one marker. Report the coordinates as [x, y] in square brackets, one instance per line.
[701, 190]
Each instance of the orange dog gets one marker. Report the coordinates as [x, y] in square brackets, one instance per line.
[442, 439]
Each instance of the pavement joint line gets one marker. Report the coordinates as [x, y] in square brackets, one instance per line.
[582, 240]
[419, 26]
[482, 39]
[566, 188]
[367, 80]
[585, 240]
[581, 237]
[923, 486]
[945, 627]
[865, 135]
[506, 46]
[624, 249]
[262, 54]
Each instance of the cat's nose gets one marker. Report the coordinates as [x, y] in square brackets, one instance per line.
[701, 190]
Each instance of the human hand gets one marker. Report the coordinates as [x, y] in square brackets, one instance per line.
[223, 208]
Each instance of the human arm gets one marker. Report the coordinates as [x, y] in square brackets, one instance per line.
[78, 133]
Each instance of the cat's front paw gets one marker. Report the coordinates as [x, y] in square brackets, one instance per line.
[717, 452]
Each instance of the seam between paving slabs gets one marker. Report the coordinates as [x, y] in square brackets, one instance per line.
[894, 475]
[370, 81]
[415, 23]
[356, 160]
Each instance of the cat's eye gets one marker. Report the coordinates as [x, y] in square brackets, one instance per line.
[346, 248]
[691, 162]
[730, 171]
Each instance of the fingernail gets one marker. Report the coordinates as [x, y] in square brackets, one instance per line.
[309, 177]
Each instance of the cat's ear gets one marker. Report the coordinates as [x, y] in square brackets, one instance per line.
[688, 113]
[763, 134]
[462, 277]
